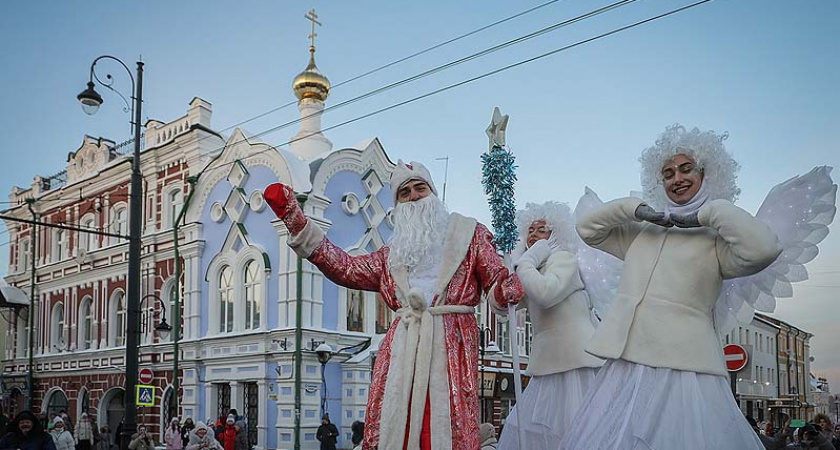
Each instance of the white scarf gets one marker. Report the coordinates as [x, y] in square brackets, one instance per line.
[690, 207]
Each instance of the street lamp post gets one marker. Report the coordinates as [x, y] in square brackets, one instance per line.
[492, 349]
[33, 244]
[91, 100]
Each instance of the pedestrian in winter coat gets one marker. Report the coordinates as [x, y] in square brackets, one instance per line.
[172, 435]
[229, 434]
[358, 429]
[186, 429]
[106, 439]
[141, 440]
[488, 436]
[85, 436]
[241, 442]
[61, 437]
[327, 434]
[814, 439]
[26, 433]
[220, 430]
[202, 439]
[68, 423]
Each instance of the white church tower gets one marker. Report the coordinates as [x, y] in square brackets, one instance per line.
[312, 89]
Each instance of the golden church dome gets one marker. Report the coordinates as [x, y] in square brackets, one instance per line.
[311, 83]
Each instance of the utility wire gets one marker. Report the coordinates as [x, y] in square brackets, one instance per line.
[437, 69]
[395, 62]
[418, 76]
[470, 80]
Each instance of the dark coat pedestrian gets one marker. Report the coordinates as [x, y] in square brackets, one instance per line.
[327, 434]
[26, 433]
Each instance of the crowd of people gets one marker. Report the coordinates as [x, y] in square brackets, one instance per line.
[56, 432]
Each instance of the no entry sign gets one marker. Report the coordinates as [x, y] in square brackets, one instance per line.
[146, 376]
[735, 357]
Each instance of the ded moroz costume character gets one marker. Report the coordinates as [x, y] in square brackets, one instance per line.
[664, 385]
[433, 272]
[560, 311]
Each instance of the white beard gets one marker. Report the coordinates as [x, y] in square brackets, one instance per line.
[419, 230]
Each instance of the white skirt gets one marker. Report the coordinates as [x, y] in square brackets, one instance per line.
[549, 404]
[636, 407]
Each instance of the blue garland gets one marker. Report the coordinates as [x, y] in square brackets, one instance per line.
[498, 177]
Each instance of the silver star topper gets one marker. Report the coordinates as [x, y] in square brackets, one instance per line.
[496, 130]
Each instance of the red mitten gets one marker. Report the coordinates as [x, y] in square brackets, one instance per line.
[282, 200]
[509, 291]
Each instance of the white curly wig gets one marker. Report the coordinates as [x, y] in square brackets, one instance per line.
[558, 218]
[720, 171]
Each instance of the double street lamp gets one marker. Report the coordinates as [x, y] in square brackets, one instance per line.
[91, 101]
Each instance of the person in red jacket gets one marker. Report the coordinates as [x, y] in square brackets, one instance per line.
[229, 436]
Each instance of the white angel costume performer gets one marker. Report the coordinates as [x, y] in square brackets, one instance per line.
[664, 385]
[560, 311]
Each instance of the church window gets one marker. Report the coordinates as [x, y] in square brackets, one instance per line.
[253, 295]
[226, 300]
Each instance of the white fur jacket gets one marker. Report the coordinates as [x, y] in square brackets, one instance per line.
[662, 314]
[559, 310]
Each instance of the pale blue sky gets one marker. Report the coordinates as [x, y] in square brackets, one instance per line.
[766, 71]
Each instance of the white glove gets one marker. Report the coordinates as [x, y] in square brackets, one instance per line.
[536, 255]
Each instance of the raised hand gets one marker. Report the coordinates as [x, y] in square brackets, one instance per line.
[648, 214]
[536, 255]
[282, 200]
[685, 220]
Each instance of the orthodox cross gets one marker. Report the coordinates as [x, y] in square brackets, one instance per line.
[312, 17]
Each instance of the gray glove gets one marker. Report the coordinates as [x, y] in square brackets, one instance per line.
[686, 220]
[648, 214]
[536, 255]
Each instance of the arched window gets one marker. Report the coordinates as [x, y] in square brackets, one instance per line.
[24, 255]
[226, 300]
[85, 323]
[253, 295]
[170, 313]
[88, 241]
[120, 322]
[119, 223]
[172, 206]
[57, 342]
[59, 243]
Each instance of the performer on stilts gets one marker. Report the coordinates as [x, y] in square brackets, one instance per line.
[433, 272]
[563, 322]
[664, 385]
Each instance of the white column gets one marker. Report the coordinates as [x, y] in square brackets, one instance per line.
[262, 425]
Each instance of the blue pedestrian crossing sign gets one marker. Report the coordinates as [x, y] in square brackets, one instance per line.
[145, 395]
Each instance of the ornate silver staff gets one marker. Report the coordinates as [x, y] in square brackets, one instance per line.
[498, 177]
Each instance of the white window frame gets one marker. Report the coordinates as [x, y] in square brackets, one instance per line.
[226, 297]
[88, 241]
[117, 319]
[119, 226]
[58, 320]
[253, 294]
[85, 324]
[237, 263]
[59, 247]
[24, 253]
[173, 198]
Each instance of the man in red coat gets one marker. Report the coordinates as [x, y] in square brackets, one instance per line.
[433, 272]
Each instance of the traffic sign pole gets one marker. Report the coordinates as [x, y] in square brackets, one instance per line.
[735, 357]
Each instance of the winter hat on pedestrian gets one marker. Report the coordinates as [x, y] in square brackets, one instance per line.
[240, 424]
[200, 426]
[230, 418]
[58, 420]
[404, 173]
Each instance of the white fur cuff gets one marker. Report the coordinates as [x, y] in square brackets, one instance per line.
[305, 242]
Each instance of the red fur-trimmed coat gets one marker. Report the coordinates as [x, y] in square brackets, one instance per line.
[470, 267]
